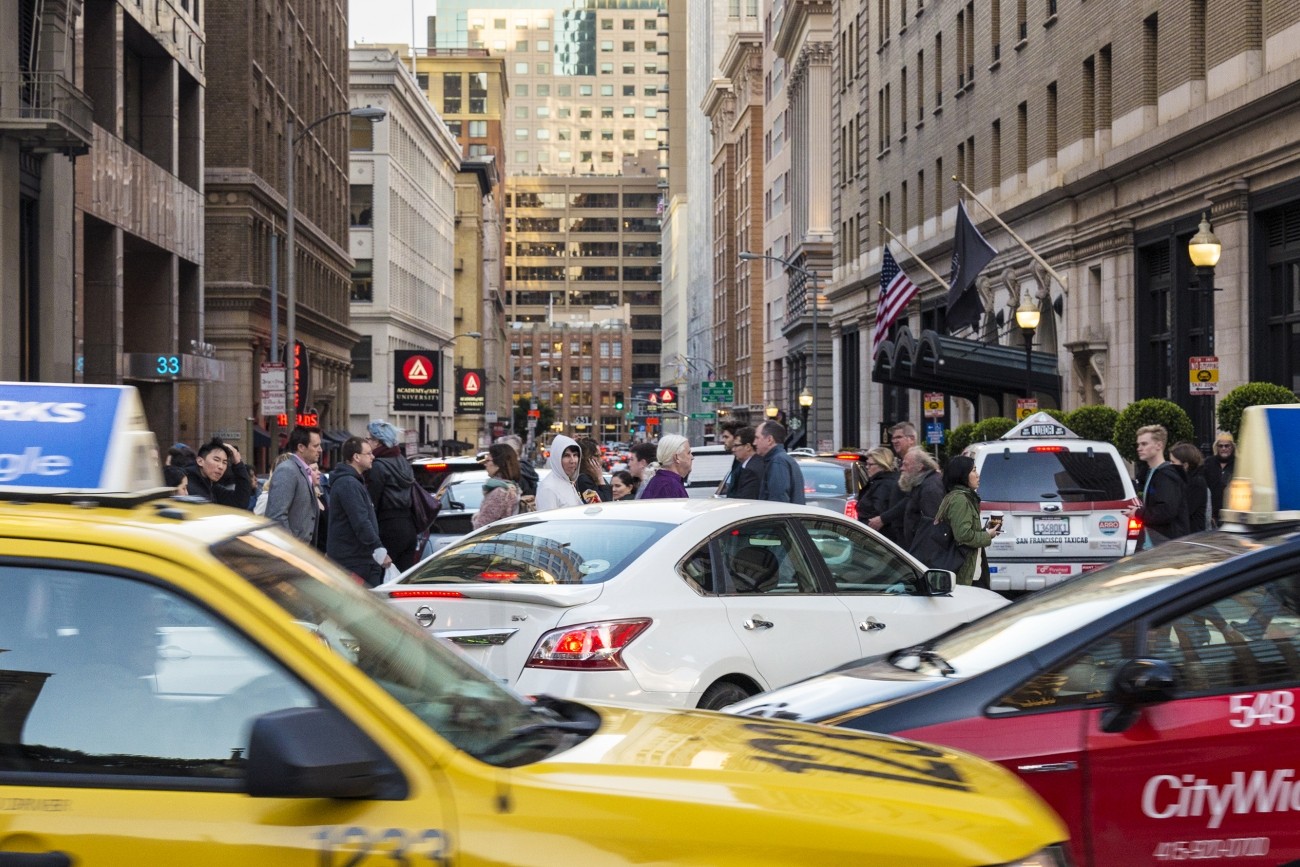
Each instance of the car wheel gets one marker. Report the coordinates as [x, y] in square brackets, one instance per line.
[722, 694]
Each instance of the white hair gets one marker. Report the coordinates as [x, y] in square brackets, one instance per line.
[668, 447]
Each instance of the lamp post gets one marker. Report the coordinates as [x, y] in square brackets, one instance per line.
[291, 139]
[1204, 250]
[805, 404]
[772, 410]
[443, 343]
[813, 375]
[1027, 317]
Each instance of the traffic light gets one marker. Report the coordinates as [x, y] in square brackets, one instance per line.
[618, 400]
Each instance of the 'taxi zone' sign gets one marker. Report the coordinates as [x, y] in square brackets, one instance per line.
[471, 395]
[416, 383]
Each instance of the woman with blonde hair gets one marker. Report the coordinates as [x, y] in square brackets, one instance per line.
[671, 467]
[882, 491]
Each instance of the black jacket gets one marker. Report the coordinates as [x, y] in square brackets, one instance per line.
[1198, 499]
[235, 488]
[747, 481]
[881, 494]
[527, 479]
[1216, 479]
[353, 529]
[389, 483]
[1164, 506]
[923, 503]
[586, 483]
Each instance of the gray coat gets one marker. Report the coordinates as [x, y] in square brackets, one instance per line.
[291, 501]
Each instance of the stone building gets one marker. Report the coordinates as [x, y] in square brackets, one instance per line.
[1101, 133]
[279, 62]
[578, 367]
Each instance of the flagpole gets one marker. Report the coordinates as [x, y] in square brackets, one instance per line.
[1065, 284]
[917, 259]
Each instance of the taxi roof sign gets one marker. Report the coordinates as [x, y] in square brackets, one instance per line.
[1265, 487]
[71, 439]
[1040, 424]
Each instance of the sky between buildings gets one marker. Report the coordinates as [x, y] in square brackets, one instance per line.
[388, 20]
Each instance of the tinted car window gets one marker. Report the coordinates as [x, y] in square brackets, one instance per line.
[1074, 477]
[468, 493]
[541, 552]
[822, 479]
[859, 563]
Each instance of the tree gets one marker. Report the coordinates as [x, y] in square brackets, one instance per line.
[1250, 394]
[992, 428]
[1093, 422]
[1153, 410]
[542, 423]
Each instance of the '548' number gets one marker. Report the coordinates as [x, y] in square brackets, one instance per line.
[1261, 708]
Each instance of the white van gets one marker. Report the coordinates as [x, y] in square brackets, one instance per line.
[1062, 499]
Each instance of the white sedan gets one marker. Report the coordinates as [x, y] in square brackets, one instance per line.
[678, 603]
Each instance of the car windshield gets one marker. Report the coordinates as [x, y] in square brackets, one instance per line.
[467, 493]
[562, 551]
[1009, 633]
[821, 479]
[1071, 476]
[432, 681]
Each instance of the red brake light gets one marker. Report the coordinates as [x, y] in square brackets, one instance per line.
[435, 466]
[1048, 449]
[590, 647]
[425, 594]
[1134, 527]
[851, 508]
[847, 456]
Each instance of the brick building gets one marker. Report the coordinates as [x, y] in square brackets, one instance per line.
[1101, 133]
[280, 61]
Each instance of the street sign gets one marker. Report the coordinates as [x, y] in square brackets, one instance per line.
[1025, 407]
[1203, 374]
[933, 404]
[934, 432]
[718, 391]
[702, 415]
[490, 416]
[273, 396]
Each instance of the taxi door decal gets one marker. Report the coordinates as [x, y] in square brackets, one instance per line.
[355, 846]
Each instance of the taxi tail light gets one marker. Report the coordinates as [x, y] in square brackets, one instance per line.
[425, 594]
[1047, 449]
[851, 508]
[589, 647]
[1134, 528]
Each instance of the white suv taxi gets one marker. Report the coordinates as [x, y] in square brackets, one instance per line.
[1062, 501]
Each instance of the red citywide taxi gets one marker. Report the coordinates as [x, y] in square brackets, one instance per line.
[1153, 703]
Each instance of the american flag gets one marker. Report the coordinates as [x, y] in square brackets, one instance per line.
[896, 292]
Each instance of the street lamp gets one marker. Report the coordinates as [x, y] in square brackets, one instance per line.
[443, 343]
[772, 410]
[1027, 317]
[291, 139]
[813, 375]
[1204, 250]
[805, 404]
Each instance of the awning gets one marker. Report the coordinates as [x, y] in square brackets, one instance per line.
[261, 437]
[335, 437]
[963, 368]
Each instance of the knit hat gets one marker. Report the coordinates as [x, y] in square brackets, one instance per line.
[382, 431]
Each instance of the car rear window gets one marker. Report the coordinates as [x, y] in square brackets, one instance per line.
[823, 479]
[1070, 476]
[572, 551]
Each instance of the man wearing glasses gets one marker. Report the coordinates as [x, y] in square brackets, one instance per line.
[748, 476]
[1219, 468]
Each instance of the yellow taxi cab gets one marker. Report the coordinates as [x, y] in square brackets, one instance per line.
[186, 684]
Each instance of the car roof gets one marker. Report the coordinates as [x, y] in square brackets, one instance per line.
[672, 511]
[158, 525]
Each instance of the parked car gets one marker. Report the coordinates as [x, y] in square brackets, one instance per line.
[433, 473]
[834, 481]
[1152, 703]
[679, 603]
[1062, 499]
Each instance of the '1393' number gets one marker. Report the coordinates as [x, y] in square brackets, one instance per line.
[355, 847]
[1261, 708]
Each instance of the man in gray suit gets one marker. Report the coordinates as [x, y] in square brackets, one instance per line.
[292, 500]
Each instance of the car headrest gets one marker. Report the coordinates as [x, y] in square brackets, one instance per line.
[755, 570]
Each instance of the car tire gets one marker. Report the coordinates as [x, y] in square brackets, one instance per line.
[722, 694]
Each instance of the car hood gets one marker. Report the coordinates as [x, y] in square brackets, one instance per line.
[823, 792]
[849, 689]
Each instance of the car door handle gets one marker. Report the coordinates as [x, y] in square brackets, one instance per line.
[1047, 768]
[871, 624]
[35, 859]
[757, 622]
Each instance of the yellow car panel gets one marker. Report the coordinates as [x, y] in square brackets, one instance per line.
[184, 684]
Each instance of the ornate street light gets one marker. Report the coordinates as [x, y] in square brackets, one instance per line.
[1204, 250]
[1027, 317]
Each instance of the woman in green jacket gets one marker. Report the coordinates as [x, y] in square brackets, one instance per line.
[961, 508]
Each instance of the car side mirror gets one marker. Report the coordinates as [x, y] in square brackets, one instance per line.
[938, 582]
[1139, 682]
[317, 753]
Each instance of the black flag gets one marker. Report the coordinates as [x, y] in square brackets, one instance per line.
[970, 253]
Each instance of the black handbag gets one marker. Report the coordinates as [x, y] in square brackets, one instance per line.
[935, 546]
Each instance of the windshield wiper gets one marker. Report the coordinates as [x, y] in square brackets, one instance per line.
[1081, 491]
[545, 734]
[922, 654]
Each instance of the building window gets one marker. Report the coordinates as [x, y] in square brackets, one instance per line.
[521, 68]
[607, 69]
[521, 112]
[478, 129]
[607, 90]
[478, 91]
[1277, 357]
[585, 90]
[361, 201]
[363, 281]
[362, 134]
[362, 361]
[451, 93]
[522, 90]
[606, 45]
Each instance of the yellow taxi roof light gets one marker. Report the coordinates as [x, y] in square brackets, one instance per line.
[1265, 488]
[69, 439]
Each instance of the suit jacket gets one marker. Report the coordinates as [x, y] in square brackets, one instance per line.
[748, 480]
[291, 500]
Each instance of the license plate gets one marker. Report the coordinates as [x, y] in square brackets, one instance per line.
[1051, 526]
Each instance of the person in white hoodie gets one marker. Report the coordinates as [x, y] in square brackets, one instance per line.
[557, 489]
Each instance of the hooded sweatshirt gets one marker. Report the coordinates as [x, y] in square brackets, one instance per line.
[557, 490]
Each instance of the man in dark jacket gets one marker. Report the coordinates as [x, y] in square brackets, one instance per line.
[353, 540]
[1164, 501]
[219, 475]
[748, 478]
[782, 478]
[922, 485]
[390, 481]
[1219, 469]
